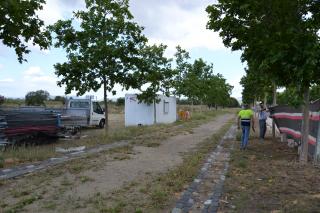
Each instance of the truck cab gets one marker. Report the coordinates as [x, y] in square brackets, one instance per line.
[88, 108]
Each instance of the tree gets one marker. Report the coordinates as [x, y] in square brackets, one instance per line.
[155, 75]
[290, 96]
[198, 82]
[36, 98]
[61, 99]
[193, 84]
[120, 102]
[233, 102]
[315, 92]
[102, 51]
[253, 87]
[216, 91]
[20, 24]
[279, 38]
[182, 67]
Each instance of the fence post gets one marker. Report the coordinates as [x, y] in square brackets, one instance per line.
[317, 148]
[284, 137]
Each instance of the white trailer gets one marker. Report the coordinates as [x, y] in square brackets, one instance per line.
[143, 114]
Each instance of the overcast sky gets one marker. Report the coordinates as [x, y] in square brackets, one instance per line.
[171, 22]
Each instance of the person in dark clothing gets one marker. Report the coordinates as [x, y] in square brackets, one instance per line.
[263, 115]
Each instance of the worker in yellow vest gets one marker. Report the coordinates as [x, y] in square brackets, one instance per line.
[245, 117]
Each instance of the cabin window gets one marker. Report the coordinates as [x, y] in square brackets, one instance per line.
[166, 107]
[97, 108]
[79, 104]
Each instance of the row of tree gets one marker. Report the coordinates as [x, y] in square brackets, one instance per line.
[105, 47]
[279, 41]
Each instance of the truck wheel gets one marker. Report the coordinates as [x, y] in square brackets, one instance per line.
[101, 123]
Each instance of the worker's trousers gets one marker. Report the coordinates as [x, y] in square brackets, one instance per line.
[245, 137]
[263, 128]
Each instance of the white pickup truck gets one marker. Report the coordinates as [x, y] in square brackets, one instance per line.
[77, 112]
[84, 112]
[20, 124]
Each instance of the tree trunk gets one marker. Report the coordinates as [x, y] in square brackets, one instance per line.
[265, 99]
[154, 112]
[305, 127]
[192, 106]
[254, 106]
[274, 103]
[105, 102]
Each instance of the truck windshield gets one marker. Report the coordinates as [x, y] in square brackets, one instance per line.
[97, 108]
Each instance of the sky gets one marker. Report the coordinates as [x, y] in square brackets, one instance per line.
[171, 22]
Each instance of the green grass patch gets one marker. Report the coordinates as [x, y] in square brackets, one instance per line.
[22, 203]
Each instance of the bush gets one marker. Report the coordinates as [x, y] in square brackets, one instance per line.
[37, 98]
[60, 99]
[120, 102]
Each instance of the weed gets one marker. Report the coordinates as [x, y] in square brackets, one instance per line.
[26, 201]
[242, 163]
[19, 193]
[84, 179]
[3, 205]
[158, 196]
[138, 211]
[121, 157]
[65, 182]
[76, 168]
[143, 190]
[122, 149]
[49, 205]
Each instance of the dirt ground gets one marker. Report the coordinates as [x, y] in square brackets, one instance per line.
[268, 178]
[70, 187]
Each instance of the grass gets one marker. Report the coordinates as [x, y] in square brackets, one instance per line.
[19, 192]
[49, 205]
[22, 203]
[268, 178]
[158, 194]
[149, 136]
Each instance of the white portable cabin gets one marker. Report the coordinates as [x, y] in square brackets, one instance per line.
[143, 114]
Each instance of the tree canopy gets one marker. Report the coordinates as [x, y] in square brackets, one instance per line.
[36, 98]
[154, 74]
[277, 37]
[20, 24]
[103, 51]
[197, 81]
